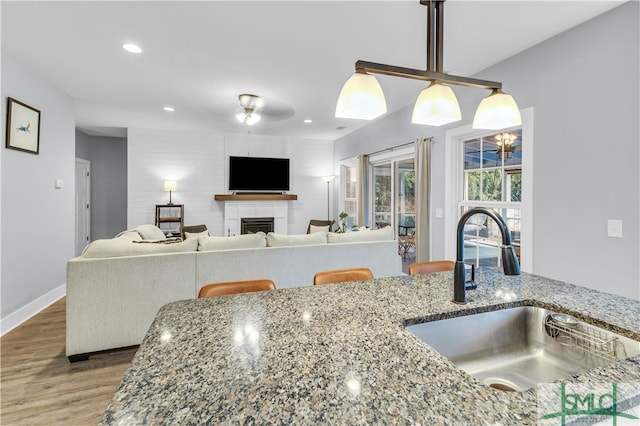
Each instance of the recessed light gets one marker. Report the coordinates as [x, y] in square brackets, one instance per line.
[308, 121]
[132, 48]
[168, 108]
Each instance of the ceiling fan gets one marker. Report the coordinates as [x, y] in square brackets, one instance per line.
[253, 108]
[249, 103]
[505, 142]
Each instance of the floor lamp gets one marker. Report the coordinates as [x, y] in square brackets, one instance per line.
[328, 179]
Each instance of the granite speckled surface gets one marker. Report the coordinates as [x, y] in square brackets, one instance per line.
[339, 354]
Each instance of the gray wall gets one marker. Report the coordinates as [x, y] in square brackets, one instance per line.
[108, 157]
[584, 86]
[37, 218]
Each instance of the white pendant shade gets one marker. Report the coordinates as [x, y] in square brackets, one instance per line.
[361, 97]
[436, 105]
[497, 111]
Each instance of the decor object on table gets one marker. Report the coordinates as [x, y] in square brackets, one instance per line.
[361, 96]
[341, 225]
[23, 127]
[170, 186]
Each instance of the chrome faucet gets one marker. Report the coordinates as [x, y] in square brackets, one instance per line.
[510, 264]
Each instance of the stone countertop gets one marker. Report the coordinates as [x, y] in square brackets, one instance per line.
[339, 354]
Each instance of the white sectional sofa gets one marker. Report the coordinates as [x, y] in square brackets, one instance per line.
[115, 288]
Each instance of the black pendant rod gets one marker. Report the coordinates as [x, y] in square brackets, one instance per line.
[435, 44]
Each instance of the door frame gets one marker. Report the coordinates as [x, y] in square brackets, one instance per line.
[83, 211]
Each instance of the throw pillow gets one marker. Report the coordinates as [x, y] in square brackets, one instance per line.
[150, 232]
[315, 228]
[129, 235]
[196, 234]
[280, 240]
[235, 242]
[384, 234]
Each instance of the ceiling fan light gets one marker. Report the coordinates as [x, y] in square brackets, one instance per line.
[252, 118]
[497, 111]
[436, 105]
[361, 98]
[248, 118]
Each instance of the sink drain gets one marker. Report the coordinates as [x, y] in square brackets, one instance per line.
[502, 387]
[501, 384]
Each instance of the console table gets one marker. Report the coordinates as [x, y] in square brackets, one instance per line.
[170, 218]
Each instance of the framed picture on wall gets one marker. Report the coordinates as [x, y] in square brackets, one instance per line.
[23, 127]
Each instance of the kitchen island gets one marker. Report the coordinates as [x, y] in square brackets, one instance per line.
[340, 354]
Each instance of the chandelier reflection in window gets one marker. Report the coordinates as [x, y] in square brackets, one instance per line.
[505, 142]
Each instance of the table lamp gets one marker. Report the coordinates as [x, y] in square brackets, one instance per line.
[170, 185]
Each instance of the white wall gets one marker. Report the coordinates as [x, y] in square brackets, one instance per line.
[583, 85]
[198, 162]
[37, 219]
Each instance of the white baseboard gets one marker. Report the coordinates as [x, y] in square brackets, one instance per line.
[16, 318]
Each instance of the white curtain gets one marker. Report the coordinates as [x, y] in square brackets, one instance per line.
[423, 199]
[363, 164]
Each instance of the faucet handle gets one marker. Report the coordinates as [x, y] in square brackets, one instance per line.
[470, 284]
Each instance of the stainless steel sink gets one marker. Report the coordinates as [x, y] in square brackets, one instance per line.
[515, 349]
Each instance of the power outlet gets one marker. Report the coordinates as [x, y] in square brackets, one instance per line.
[614, 228]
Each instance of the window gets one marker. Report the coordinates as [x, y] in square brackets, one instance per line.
[393, 190]
[350, 191]
[473, 174]
[492, 178]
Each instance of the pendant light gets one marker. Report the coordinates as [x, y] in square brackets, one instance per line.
[436, 105]
[361, 96]
[497, 111]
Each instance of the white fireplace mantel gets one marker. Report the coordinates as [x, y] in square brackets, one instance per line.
[237, 207]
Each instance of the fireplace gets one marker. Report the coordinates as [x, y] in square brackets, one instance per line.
[235, 211]
[251, 225]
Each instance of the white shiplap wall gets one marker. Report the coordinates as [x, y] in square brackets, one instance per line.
[198, 162]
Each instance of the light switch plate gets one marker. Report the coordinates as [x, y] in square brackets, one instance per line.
[59, 183]
[439, 213]
[614, 228]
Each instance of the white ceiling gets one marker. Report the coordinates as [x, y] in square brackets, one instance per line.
[199, 56]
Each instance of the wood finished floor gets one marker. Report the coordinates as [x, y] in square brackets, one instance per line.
[38, 385]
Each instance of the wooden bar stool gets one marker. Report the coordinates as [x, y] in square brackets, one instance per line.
[429, 267]
[234, 287]
[342, 275]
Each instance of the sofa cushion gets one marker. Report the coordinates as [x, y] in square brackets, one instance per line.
[383, 234]
[315, 228]
[281, 240]
[117, 247]
[235, 242]
[196, 234]
[150, 232]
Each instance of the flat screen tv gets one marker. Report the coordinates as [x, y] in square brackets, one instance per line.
[258, 174]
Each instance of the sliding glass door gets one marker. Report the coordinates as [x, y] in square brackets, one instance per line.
[393, 191]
